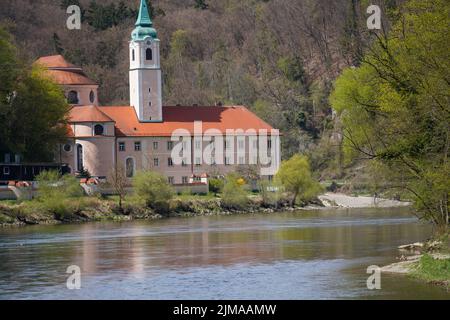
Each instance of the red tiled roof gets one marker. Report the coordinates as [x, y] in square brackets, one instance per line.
[68, 77]
[63, 72]
[221, 118]
[57, 61]
[88, 114]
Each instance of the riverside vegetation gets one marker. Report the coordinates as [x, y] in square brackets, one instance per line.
[60, 199]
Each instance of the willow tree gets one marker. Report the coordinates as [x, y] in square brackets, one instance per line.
[396, 109]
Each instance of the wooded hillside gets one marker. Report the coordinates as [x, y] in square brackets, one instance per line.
[278, 57]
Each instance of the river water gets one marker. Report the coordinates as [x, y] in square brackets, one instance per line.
[307, 255]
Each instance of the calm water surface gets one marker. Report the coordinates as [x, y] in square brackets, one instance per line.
[306, 255]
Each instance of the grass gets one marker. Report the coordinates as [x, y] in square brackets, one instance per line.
[431, 269]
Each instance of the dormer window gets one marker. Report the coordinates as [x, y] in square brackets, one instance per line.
[149, 54]
[98, 130]
[72, 97]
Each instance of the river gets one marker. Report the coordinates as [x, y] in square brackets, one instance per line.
[322, 254]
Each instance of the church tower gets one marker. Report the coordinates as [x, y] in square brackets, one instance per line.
[145, 69]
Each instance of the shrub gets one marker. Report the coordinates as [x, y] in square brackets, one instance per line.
[234, 195]
[216, 185]
[270, 193]
[55, 192]
[154, 189]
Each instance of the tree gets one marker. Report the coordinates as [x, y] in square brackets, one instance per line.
[154, 189]
[395, 107]
[118, 180]
[57, 44]
[201, 4]
[295, 176]
[33, 109]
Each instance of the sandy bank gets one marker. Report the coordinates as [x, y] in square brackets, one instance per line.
[345, 201]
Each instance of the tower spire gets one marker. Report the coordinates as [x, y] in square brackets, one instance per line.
[143, 19]
[144, 26]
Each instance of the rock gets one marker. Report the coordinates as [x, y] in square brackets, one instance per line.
[411, 246]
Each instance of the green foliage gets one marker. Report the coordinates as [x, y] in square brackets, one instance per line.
[270, 192]
[234, 195]
[154, 189]
[432, 269]
[215, 185]
[53, 185]
[56, 193]
[395, 107]
[295, 176]
[33, 108]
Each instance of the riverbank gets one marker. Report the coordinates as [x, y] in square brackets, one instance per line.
[88, 209]
[429, 261]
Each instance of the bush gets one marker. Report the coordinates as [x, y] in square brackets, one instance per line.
[269, 192]
[234, 195]
[215, 185]
[154, 190]
[55, 192]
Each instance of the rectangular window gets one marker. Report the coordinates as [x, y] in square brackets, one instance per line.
[228, 143]
[17, 158]
[241, 144]
[198, 144]
[7, 158]
[169, 145]
[171, 180]
[269, 143]
[170, 162]
[198, 161]
[137, 146]
[156, 162]
[184, 180]
[155, 145]
[241, 160]
[6, 171]
[122, 146]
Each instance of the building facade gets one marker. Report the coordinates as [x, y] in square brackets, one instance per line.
[185, 143]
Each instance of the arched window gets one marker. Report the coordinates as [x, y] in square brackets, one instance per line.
[92, 96]
[132, 55]
[149, 54]
[98, 130]
[79, 157]
[129, 167]
[72, 97]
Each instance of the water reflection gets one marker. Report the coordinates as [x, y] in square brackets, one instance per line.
[325, 251]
